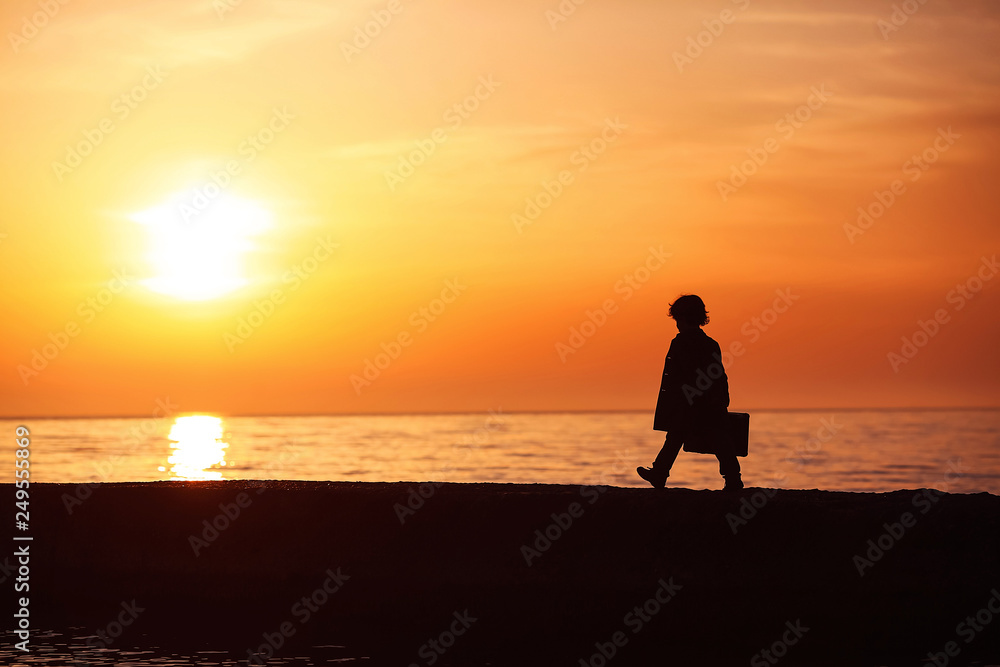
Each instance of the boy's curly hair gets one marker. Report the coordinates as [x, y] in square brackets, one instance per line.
[690, 308]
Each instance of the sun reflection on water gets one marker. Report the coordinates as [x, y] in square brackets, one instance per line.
[197, 448]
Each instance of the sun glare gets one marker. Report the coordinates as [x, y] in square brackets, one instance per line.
[196, 251]
[197, 447]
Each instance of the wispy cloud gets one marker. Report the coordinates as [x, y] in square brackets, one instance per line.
[116, 41]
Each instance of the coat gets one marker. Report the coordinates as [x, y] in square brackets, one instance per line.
[694, 390]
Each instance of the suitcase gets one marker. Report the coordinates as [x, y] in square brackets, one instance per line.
[732, 432]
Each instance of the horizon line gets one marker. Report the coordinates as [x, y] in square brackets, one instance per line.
[985, 408]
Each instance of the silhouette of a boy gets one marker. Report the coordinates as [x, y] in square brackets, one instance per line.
[687, 406]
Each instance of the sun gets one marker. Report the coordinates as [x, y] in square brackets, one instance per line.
[197, 246]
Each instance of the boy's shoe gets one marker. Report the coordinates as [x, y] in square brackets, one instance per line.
[654, 477]
[733, 483]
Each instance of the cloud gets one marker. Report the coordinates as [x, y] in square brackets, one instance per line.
[116, 41]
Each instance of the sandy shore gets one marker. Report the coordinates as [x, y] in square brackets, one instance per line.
[524, 574]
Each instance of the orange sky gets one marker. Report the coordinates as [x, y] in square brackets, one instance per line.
[322, 226]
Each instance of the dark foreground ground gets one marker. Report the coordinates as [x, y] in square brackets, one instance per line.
[616, 576]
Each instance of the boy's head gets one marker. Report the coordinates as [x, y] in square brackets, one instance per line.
[689, 309]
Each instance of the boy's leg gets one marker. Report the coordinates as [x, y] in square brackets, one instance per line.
[657, 475]
[668, 453]
[729, 468]
[728, 464]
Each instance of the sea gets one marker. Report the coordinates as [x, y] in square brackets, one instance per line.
[854, 450]
[956, 451]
